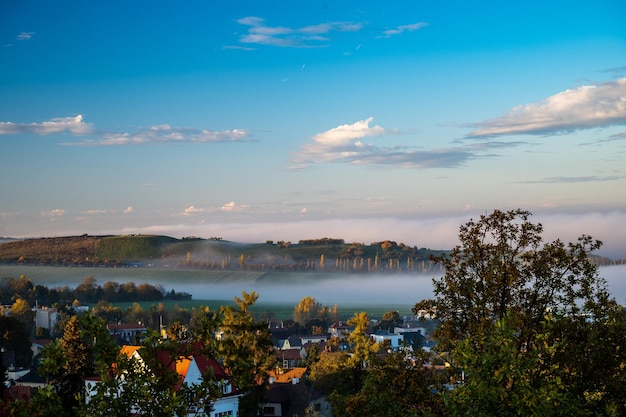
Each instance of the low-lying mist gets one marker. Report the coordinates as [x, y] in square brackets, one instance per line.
[336, 289]
[327, 288]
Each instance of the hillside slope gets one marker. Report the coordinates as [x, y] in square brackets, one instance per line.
[164, 251]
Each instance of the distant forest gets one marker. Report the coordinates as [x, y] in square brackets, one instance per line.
[86, 292]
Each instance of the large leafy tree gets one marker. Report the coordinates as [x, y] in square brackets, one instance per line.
[396, 386]
[313, 316]
[514, 309]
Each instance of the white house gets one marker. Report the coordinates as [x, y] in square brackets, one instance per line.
[395, 340]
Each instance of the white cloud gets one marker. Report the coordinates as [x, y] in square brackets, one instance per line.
[233, 207]
[343, 144]
[576, 180]
[344, 134]
[584, 107]
[193, 210]
[53, 215]
[165, 134]
[95, 212]
[404, 28]
[298, 37]
[24, 36]
[74, 125]
[156, 134]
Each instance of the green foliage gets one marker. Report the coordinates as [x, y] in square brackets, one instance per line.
[363, 347]
[309, 313]
[394, 386]
[390, 320]
[204, 324]
[246, 350]
[528, 324]
[15, 337]
[76, 367]
[500, 379]
[142, 390]
[45, 403]
[333, 373]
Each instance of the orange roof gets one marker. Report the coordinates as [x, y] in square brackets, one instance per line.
[129, 350]
[288, 375]
[182, 366]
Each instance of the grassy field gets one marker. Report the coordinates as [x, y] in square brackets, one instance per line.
[279, 310]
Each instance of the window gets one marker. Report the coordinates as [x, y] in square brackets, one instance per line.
[269, 411]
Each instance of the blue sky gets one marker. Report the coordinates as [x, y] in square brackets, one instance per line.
[290, 120]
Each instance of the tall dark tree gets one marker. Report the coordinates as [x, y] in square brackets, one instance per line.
[15, 338]
[77, 366]
[510, 306]
[247, 351]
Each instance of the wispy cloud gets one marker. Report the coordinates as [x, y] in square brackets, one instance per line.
[297, 37]
[343, 144]
[575, 180]
[230, 207]
[74, 125]
[192, 209]
[24, 36]
[404, 28]
[7, 214]
[96, 212]
[234, 207]
[584, 107]
[53, 215]
[165, 133]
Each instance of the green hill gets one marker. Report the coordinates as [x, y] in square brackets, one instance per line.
[196, 253]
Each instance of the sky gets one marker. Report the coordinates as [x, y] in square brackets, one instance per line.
[362, 120]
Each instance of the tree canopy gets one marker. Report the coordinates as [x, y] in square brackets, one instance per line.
[516, 314]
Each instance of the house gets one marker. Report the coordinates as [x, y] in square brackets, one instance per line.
[38, 346]
[126, 332]
[289, 358]
[288, 396]
[413, 336]
[46, 317]
[13, 372]
[292, 342]
[279, 335]
[189, 369]
[315, 338]
[395, 340]
[339, 329]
